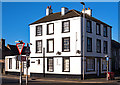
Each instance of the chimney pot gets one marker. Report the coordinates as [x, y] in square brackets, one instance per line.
[85, 8]
[48, 10]
[88, 8]
[64, 10]
[50, 6]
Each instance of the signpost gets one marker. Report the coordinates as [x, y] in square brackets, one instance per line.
[107, 59]
[27, 51]
[20, 48]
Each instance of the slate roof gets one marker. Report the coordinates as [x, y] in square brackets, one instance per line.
[69, 14]
[14, 50]
[115, 44]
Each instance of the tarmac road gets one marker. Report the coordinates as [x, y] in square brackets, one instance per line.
[15, 81]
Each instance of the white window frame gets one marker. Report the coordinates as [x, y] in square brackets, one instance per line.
[66, 64]
[10, 63]
[50, 45]
[66, 26]
[50, 64]
[39, 46]
[39, 30]
[17, 64]
[66, 44]
[50, 28]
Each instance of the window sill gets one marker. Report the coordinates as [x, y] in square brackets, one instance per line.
[38, 52]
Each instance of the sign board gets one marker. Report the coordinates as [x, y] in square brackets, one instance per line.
[107, 58]
[19, 58]
[20, 47]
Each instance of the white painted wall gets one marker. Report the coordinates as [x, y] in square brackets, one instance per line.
[75, 66]
[13, 64]
[75, 29]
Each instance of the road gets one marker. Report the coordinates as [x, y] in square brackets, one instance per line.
[10, 81]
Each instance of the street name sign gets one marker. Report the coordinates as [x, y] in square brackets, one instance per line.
[20, 47]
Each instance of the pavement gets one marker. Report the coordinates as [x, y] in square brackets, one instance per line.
[65, 80]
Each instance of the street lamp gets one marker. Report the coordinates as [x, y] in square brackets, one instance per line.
[83, 37]
[107, 59]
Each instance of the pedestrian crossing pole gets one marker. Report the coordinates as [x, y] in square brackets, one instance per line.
[20, 69]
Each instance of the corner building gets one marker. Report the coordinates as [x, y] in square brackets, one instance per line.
[57, 44]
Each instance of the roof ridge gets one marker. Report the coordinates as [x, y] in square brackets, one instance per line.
[75, 11]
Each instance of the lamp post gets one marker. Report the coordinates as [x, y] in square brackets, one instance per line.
[83, 38]
[107, 59]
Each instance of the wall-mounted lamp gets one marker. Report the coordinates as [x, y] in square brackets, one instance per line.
[58, 53]
[78, 52]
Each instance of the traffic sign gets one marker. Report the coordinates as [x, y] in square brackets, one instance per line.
[20, 47]
[107, 58]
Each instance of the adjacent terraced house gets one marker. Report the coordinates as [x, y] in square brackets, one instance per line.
[57, 44]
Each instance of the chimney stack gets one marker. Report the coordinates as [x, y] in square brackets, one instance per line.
[64, 10]
[48, 10]
[89, 11]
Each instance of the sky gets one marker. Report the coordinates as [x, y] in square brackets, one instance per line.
[16, 16]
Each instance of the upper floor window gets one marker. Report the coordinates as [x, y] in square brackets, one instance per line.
[98, 46]
[66, 64]
[50, 64]
[98, 31]
[50, 28]
[105, 31]
[89, 26]
[39, 30]
[66, 26]
[105, 47]
[66, 44]
[39, 46]
[50, 45]
[89, 44]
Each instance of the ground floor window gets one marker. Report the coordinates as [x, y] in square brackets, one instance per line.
[10, 63]
[66, 64]
[50, 64]
[17, 64]
[104, 64]
[90, 64]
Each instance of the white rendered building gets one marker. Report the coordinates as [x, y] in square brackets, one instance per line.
[56, 48]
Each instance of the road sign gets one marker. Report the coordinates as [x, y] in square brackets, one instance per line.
[107, 58]
[20, 47]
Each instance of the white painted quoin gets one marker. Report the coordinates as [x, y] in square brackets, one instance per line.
[95, 62]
